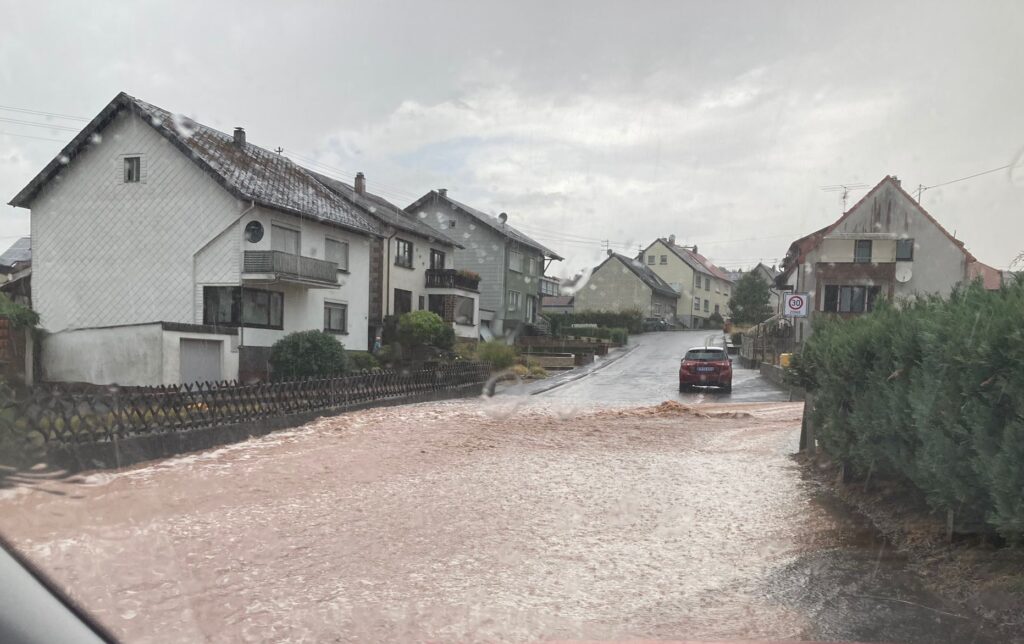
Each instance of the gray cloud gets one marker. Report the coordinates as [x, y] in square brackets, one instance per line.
[584, 121]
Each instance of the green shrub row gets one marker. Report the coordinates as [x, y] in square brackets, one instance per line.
[561, 323]
[618, 335]
[932, 394]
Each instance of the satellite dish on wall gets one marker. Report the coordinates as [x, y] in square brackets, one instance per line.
[904, 273]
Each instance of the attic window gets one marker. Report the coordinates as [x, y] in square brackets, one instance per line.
[132, 169]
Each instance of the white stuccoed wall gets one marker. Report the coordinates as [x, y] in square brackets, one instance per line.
[410, 279]
[131, 355]
[107, 252]
[304, 307]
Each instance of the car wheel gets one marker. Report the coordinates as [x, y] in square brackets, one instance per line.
[684, 388]
[727, 387]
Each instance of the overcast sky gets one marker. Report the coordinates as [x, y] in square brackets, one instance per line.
[589, 121]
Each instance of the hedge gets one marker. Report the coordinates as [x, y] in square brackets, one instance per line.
[932, 394]
[561, 323]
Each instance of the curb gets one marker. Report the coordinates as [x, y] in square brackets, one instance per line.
[579, 376]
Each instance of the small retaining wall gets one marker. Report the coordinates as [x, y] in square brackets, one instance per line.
[776, 375]
[136, 449]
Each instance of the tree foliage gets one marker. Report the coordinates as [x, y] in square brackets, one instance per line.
[425, 328]
[307, 354]
[750, 299]
[932, 394]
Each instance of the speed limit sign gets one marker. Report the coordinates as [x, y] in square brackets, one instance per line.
[795, 305]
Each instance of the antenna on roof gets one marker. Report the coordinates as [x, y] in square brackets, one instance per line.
[844, 189]
[279, 149]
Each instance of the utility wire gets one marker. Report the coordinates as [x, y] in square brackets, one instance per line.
[29, 136]
[921, 189]
[37, 124]
[23, 110]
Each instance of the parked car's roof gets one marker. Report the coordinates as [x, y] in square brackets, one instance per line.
[705, 349]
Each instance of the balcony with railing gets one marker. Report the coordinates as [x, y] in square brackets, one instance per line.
[268, 266]
[451, 278]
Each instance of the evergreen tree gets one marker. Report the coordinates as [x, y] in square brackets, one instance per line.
[749, 301]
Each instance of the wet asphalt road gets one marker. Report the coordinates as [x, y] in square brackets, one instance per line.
[649, 375]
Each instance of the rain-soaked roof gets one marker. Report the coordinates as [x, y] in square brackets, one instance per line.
[488, 220]
[646, 275]
[384, 210]
[247, 171]
[20, 252]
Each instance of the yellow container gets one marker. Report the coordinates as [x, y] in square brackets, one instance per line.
[784, 359]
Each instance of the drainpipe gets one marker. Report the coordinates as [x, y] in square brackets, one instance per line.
[387, 282]
[241, 284]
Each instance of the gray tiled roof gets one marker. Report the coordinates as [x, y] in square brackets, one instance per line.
[382, 209]
[249, 171]
[20, 252]
[488, 220]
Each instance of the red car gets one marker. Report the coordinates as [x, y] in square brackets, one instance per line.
[705, 367]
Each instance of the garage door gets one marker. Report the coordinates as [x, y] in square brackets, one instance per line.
[200, 360]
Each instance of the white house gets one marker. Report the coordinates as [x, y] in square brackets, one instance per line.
[165, 251]
[413, 267]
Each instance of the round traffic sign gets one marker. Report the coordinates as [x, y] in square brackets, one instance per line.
[795, 302]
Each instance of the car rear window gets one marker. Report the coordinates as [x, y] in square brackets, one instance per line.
[705, 355]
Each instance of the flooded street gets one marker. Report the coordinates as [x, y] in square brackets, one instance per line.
[480, 520]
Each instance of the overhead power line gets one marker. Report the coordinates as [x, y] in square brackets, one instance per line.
[48, 126]
[921, 188]
[8, 108]
[29, 136]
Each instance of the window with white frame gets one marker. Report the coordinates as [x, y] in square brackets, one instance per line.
[337, 252]
[132, 169]
[284, 239]
[515, 261]
[531, 266]
[335, 317]
[651, 259]
[706, 306]
[514, 300]
[403, 253]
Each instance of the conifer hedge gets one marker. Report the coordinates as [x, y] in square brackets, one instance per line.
[930, 393]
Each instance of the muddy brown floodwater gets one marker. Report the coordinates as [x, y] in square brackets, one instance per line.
[479, 520]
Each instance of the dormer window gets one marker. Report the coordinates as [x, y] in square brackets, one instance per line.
[132, 169]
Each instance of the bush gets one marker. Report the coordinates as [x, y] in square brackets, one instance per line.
[425, 328]
[737, 338]
[716, 318]
[619, 336]
[362, 361]
[537, 371]
[496, 353]
[307, 354]
[561, 323]
[21, 317]
[520, 370]
[931, 394]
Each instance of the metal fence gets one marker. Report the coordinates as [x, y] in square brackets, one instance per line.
[61, 415]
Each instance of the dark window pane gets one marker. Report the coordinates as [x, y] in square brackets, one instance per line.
[904, 250]
[862, 251]
[831, 299]
[873, 293]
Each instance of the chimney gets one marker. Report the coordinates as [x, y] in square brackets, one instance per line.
[671, 239]
[897, 180]
[360, 183]
[503, 218]
[240, 137]
[695, 249]
[443, 192]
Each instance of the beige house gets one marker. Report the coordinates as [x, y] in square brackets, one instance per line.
[621, 284]
[703, 288]
[885, 246]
